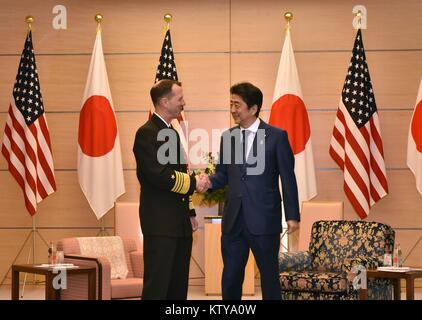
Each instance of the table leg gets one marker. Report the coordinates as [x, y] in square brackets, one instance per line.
[397, 289]
[363, 294]
[92, 285]
[48, 287]
[15, 284]
[410, 288]
[50, 292]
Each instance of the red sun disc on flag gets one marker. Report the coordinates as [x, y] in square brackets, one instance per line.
[417, 127]
[97, 127]
[289, 113]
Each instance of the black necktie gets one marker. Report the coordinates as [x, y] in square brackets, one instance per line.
[245, 134]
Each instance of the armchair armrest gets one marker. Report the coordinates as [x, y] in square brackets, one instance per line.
[377, 288]
[367, 262]
[137, 260]
[103, 277]
[294, 261]
[352, 268]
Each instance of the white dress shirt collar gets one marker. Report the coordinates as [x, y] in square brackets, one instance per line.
[253, 127]
[168, 125]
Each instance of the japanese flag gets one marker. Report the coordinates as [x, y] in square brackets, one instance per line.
[100, 169]
[414, 142]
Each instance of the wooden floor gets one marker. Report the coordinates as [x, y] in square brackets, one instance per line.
[196, 292]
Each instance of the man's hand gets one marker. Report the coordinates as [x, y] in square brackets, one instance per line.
[194, 223]
[203, 183]
[292, 226]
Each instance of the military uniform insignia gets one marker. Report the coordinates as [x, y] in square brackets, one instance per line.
[182, 183]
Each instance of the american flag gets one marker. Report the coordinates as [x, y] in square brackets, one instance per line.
[167, 70]
[26, 141]
[166, 67]
[356, 144]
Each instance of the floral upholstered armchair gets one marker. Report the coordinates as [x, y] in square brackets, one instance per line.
[325, 271]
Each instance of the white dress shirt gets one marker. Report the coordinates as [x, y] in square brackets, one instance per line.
[253, 129]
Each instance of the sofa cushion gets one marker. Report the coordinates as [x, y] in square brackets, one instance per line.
[126, 288]
[313, 281]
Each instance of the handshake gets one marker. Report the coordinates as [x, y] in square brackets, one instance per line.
[203, 182]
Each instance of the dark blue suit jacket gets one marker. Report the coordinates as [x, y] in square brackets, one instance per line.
[259, 195]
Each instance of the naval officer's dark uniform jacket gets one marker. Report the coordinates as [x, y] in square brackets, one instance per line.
[165, 210]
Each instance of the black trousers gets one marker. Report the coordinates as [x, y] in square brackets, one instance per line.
[166, 268]
[235, 250]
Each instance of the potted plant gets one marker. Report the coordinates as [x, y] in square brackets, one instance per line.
[210, 198]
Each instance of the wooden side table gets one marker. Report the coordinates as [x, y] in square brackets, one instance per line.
[409, 276]
[50, 273]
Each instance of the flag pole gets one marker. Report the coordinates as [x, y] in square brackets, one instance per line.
[103, 231]
[29, 20]
[167, 18]
[99, 18]
[284, 237]
[288, 16]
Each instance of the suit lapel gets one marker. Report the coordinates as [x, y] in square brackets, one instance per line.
[235, 148]
[254, 151]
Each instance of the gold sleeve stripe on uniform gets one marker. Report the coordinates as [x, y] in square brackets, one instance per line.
[182, 183]
[191, 207]
[186, 183]
[177, 184]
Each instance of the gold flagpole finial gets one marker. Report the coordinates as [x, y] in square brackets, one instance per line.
[359, 16]
[29, 20]
[99, 18]
[167, 18]
[288, 16]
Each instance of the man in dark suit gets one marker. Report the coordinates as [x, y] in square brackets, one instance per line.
[258, 155]
[166, 211]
